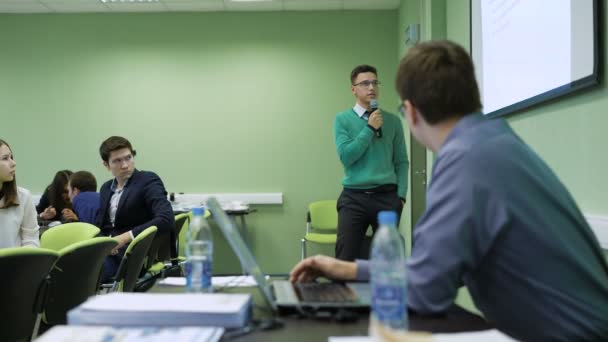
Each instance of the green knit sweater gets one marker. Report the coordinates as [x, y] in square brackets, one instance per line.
[370, 161]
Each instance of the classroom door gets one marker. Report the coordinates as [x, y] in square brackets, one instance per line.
[418, 176]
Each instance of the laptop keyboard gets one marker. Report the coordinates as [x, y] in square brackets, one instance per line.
[324, 292]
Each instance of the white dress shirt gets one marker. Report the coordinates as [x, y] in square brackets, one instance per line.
[18, 224]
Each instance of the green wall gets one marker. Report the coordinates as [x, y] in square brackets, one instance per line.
[408, 14]
[213, 102]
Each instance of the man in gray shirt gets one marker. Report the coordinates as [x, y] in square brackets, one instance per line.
[497, 220]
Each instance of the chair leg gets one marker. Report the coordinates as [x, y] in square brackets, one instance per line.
[36, 326]
[303, 249]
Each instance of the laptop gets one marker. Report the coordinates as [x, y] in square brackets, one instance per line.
[282, 294]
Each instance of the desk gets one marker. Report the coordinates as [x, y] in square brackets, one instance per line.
[45, 225]
[308, 329]
[233, 214]
[241, 213]
[242, 228]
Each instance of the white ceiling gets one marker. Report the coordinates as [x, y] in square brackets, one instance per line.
[82, 6]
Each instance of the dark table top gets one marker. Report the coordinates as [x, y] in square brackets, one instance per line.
[301, 328]
[321, 325]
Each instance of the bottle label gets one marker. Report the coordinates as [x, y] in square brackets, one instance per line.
[207, 274]
[188, 275]
[198, 275]
[388, 303]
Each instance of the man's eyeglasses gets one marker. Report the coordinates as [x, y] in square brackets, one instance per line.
[119, 161]
[367, 83]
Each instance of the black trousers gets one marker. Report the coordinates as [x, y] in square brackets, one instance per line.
[357, 210]
[110, 265]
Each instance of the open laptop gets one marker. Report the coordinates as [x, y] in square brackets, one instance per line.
[281, 294]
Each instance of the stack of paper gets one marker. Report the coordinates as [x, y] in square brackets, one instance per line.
[62, 333]
[159, 309]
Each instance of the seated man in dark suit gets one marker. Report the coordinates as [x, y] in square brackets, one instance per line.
[130, 202]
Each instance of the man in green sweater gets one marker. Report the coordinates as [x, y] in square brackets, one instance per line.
[371, 146]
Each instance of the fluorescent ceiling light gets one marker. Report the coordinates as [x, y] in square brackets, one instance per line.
[127, 1]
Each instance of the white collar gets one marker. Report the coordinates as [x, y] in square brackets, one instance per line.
[359, 109]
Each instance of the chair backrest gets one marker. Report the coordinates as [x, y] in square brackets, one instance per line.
[165, 247]
[66, 234]
[24, 272]
[181, 226]
[134, 260]
[75, 277]
[323, 215]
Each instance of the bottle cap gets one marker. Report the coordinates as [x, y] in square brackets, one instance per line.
[198, 211]
[387, 217]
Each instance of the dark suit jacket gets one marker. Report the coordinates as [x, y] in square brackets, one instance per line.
[143, 204]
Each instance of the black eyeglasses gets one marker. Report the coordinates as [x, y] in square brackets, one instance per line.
[367, 83]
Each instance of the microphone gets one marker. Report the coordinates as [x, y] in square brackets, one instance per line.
[374, 105]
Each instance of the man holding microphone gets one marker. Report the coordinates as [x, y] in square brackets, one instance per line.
[371, 147]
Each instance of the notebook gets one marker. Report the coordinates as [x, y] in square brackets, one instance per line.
[282, 293]
[164, 309]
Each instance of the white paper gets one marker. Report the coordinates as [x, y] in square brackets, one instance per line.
[221, 281]
[473, 336]
[64, 333]
[234, 281]
[492, 335]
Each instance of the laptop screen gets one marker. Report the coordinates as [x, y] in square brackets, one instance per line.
[241, 249]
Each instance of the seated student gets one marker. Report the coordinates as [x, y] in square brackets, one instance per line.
[497, 219]
[55, 198]
[82, 190]
[130, 202]
[18, 225]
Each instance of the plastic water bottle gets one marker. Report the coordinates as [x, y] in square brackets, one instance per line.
[199, 253]
[388, 275]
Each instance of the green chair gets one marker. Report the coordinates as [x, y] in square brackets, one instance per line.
[182, 221]
[181, 230]
[162, 260]
[321, 224]
[164, 252]
[22, 291]
[66, 234]
[75, 277]
[133, 261]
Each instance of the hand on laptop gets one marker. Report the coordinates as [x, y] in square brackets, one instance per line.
[320, 265]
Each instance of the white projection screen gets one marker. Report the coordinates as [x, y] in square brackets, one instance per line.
[530, 51]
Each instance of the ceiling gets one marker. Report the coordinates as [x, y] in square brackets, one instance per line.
[98, 6]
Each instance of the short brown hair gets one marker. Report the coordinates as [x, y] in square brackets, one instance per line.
[438, 78]
[114, 143]
[360, 69]
[9, 189]
[83, 181]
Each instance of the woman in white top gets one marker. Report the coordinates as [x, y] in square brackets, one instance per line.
[18, 224]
